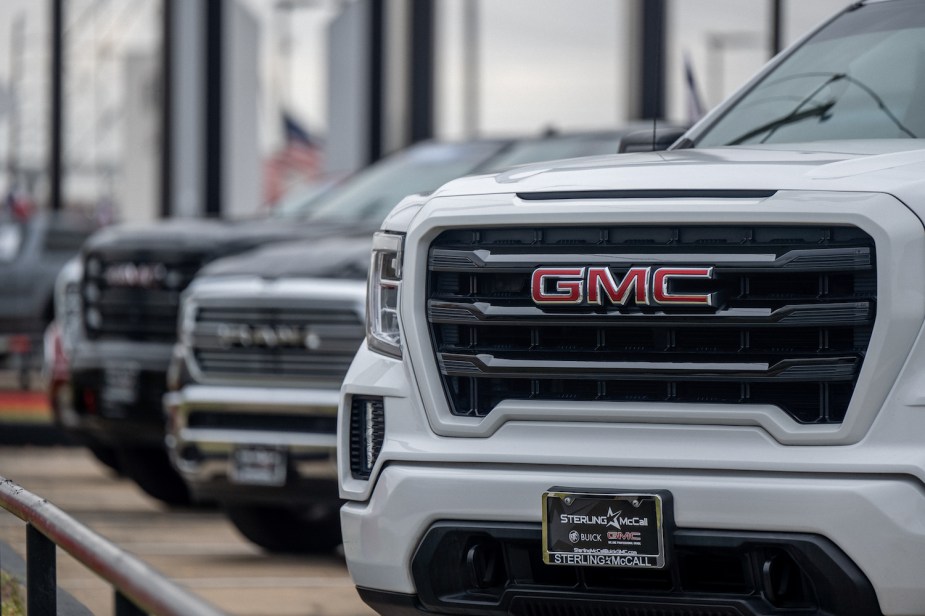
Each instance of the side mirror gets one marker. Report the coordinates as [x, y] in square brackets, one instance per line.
[646, 141]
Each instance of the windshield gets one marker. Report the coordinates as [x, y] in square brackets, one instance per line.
[300, 201]
[11, 236]
[860, 77]
[554, 148]
[372, 193]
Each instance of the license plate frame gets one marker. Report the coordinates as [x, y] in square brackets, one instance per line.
[256, 465]
[121, 382]
[612, 528]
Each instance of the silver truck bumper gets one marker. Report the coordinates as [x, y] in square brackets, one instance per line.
[207, 424]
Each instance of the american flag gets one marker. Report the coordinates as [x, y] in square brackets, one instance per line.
[298, 161]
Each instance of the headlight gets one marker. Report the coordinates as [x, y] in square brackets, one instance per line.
[70, 317]
[94, 318]
[382, 332]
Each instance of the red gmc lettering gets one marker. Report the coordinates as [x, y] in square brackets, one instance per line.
[660, 286]
[643, 286]
[569, 285]
[601, 278]
[624, 536]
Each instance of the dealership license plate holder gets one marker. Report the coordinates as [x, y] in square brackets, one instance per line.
[258, 466]
[618, 529]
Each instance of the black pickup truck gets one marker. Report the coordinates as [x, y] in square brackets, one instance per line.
[133, 278]
[32, 252]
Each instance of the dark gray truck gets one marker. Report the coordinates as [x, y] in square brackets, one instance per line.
[265, 341]
[133, 277]
[32, 252]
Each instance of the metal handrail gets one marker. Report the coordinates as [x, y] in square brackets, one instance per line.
[138, 585]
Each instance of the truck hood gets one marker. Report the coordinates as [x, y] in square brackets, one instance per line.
[341, 257]
[892, 166]
[213, 238]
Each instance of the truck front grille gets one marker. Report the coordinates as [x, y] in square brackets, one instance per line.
[794, 310]
[133, 295]
[311, 345]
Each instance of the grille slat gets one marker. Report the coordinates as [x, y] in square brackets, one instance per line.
[794, 315]
[840, 259]
[333, 342]
[262, 422]
[847, 313]
[835, 369]
[290, 316]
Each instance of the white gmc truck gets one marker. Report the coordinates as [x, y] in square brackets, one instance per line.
[676, 383]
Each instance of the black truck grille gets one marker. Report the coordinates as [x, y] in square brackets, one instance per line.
[498, 570]
[793, 314]
[262, 422]
[308, 344]
[135, 295]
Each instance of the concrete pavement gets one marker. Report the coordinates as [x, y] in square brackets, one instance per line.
[197, 548]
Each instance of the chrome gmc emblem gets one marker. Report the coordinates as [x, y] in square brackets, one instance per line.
[143, 275]
[643, 286]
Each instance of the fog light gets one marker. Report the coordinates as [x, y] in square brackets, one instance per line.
[367, 431]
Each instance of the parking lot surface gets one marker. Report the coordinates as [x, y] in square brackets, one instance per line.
[197, 548]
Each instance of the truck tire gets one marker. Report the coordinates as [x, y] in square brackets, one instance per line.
[108, 456]
[150, 468]
[289, 530]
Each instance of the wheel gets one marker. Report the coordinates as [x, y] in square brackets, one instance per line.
[108, 456]
[150, 468]
[309, 530]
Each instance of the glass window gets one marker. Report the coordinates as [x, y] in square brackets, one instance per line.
[11, 238]
[554, 148]
[508, 68]
[372, 193]
[112, 108]
[63, 240]
[862, 77]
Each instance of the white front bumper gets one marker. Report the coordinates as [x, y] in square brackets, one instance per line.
[879, 522]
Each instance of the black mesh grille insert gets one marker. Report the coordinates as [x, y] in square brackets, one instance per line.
[497, 569]
[262, 422]
[792, 314]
